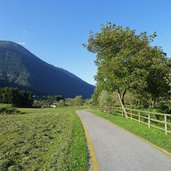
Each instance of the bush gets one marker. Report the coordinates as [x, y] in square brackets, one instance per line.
[9, 111]
[106, 101]
[77, 101]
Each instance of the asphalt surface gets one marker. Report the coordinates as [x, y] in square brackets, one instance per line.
[118, 150]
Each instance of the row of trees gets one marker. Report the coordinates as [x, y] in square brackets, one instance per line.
[19, 98]
[59, 101]
[127, 63]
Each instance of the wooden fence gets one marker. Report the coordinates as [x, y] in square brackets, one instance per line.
[152, 119]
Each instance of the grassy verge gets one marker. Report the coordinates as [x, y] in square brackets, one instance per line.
[153, 135]
[42, 139]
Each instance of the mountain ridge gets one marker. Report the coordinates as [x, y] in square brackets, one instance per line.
[21, 67]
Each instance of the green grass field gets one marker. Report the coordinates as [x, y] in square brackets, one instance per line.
[153, 135]
[42, 139]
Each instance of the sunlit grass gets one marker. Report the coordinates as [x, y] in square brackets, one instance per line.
[43, 139]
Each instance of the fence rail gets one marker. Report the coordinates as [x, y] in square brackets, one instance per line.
[152, 119]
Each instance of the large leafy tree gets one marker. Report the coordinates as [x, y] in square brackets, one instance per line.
[126, 62]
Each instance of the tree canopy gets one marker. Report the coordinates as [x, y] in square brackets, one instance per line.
[126, 61]
[19, 98]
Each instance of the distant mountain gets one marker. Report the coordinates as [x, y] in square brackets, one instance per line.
[20, 68]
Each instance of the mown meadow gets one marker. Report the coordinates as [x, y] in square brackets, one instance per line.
[42, 139]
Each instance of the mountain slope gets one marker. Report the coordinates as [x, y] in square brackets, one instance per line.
[21, 68]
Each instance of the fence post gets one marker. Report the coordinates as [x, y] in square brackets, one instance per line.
[165, 124]
[139, 118]
[131, 114]
[149, 120]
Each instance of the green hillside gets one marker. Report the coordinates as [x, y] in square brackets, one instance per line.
[20, 68]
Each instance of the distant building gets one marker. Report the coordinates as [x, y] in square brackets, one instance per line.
[53, 105]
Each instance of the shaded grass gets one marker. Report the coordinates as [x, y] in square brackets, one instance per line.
[2, 105]
[153, 135]
[43, 139]
[7, 109]
[10, 111]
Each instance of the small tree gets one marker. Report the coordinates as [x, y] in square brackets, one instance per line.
[69, 102]
[106, 101]
[78, 101]
[61, 103]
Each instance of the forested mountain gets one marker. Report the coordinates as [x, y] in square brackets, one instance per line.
[20, 68]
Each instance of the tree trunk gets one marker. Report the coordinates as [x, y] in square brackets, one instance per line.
[121, 100]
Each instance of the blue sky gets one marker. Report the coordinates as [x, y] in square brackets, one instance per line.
[54, 30]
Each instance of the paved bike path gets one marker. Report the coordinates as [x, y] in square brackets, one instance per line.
[118, 150]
